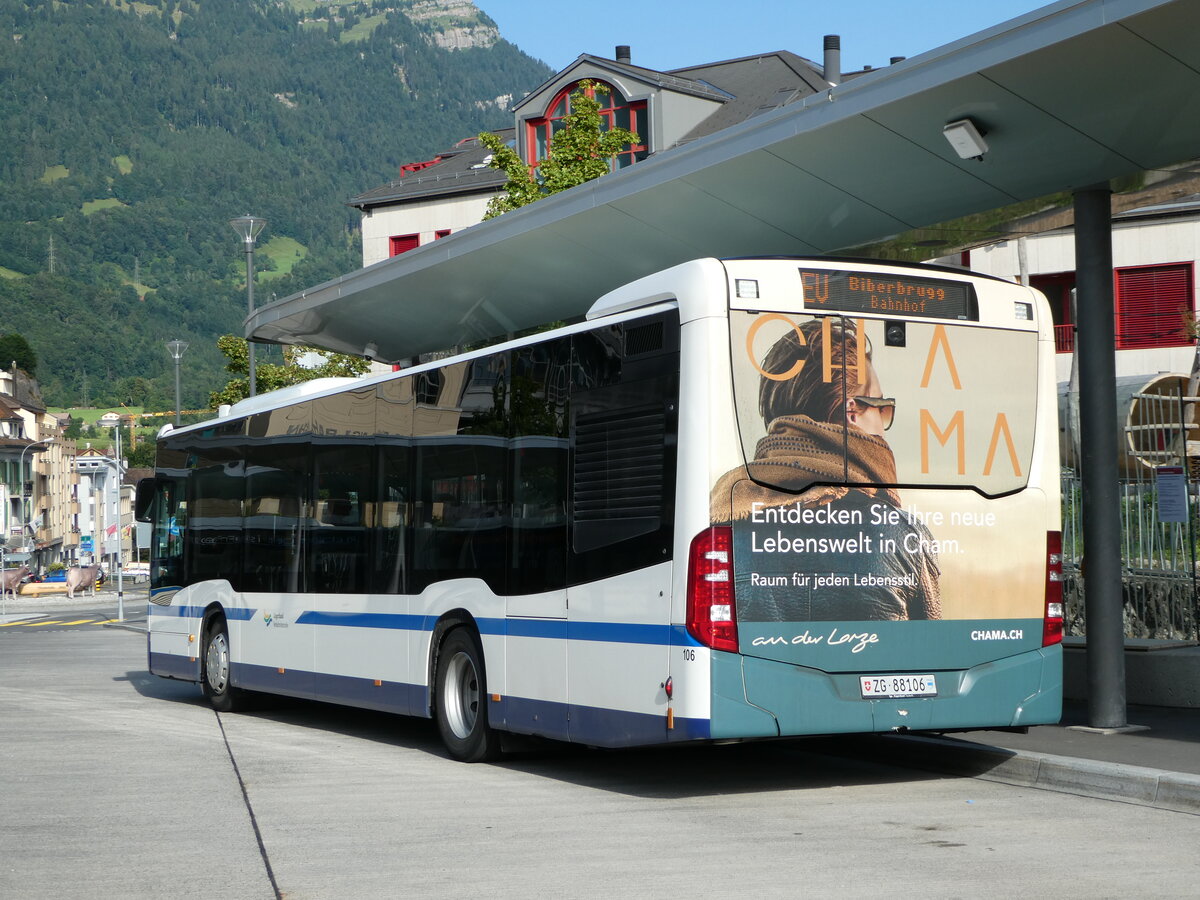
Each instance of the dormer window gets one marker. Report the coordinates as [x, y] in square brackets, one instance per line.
[615, 111]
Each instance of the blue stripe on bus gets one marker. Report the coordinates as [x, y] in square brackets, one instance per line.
[561, 629]
[386, 696]
[363, 620]
[232, 613]
[555, 629]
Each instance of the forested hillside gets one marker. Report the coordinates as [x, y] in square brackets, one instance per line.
[131, 134]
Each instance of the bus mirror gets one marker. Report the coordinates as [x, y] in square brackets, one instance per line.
[143, 504]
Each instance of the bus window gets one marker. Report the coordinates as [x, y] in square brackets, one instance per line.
[624, 427]
[214, 533]
[462, 501]
[276, 503]
[392, 519]
[163, 500]
[338, 529]
[539, 463]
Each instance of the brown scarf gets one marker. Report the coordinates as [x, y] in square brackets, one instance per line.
[798, 451]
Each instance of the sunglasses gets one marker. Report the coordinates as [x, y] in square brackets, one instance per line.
[885, 405]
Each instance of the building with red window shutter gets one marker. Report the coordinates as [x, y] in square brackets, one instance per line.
[1155, 248]
[450, 192]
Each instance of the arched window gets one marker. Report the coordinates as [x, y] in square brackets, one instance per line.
[615, 111]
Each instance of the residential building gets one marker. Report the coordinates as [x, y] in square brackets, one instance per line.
[36, 477]
[437, 197]
[105, 507]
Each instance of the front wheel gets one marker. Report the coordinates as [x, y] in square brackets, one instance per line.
[214, 678]
[461, 698]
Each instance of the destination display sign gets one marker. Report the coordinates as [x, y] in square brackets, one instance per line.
[900, 295]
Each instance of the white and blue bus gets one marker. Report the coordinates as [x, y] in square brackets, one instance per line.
[742, 499]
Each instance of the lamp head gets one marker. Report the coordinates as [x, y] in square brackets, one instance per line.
[966, 138]
[248, 227]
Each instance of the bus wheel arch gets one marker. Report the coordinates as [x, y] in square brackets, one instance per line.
[215, 663]
[459, 695]
[456, 618]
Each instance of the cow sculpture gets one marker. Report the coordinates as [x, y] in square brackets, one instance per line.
[11, 580]
[82, 577]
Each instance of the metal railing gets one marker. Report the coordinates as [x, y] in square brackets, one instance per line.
[1158, 558]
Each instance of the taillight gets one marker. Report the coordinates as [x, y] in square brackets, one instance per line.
[1052, 624]
[711, 612]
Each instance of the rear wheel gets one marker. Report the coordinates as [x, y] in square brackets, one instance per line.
[461, 699]
[215, 671]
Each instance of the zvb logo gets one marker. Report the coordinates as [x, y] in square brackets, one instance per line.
[267, 617]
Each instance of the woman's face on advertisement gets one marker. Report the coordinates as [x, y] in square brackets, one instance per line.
[867, 418]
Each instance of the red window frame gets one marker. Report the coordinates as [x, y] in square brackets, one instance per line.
[1154, 305]
[402, 243]
[615, 111]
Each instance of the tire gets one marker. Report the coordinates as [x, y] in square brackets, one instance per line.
[215, 669]
[461, 699]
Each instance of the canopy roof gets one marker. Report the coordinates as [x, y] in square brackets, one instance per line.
[1071, 95]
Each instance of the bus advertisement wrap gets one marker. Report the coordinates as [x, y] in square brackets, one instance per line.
[853, 429]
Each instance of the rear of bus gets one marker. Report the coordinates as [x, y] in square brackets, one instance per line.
[883, 550]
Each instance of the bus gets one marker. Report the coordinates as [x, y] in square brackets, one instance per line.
[741, 499]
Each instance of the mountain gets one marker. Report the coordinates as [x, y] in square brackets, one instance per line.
[132, 132]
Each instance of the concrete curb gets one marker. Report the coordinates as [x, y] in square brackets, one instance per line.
[52, 604]
[1175, 791]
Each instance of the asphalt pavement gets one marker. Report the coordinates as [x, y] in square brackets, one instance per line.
[1154, 762]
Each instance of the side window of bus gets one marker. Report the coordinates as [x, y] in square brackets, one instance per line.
[460, 510]
[275, 507]
[624, 426]
[169, 518]
[539, 458]
[391, 521]
[338, 530]
[214, 532]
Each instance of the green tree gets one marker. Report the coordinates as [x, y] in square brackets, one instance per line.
[15, 349]
[140, 456]
[581, 150]
[271, 376]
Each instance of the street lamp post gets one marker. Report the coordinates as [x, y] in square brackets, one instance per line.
[120, 581]
[248, 228]
[176, 348]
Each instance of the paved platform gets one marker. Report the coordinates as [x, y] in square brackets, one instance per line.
[1157, 765]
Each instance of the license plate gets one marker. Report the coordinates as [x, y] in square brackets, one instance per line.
[897, 686]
